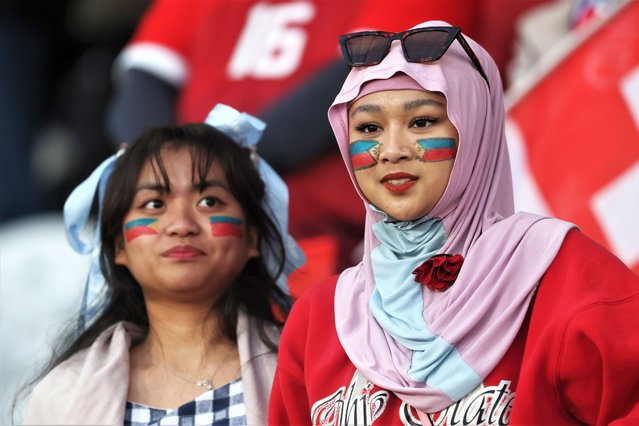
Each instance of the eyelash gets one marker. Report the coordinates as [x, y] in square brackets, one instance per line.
[428, 121]
[216, 199]
[146, 203]
[365, 127]
[157, 203]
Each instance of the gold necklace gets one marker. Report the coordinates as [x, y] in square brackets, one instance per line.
[206, 382]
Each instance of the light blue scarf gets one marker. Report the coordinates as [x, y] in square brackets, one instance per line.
[397, 302]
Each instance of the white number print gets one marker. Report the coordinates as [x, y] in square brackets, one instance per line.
[272, 41]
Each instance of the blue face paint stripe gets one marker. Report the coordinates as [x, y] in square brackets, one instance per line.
[139, 222]
[437, 143]
[225, 219]
[359, 147]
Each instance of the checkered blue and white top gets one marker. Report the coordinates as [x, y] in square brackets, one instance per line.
[220, 406]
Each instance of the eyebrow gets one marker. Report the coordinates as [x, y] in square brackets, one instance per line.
[366, 108]
[421, 102]
[410, 105]
[198, 186]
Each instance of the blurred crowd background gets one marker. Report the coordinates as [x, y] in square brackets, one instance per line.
[72, 90]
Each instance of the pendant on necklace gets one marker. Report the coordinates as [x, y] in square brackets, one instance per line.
[208, 383]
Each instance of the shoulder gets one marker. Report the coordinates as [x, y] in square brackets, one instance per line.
[583, 328]
[583, 275]
[578, 248]
[98, 368]
[317, 300]
[113, 341]
[585, 263]
[314, 308]
[312, 312]
[309, 329]
[320, 292]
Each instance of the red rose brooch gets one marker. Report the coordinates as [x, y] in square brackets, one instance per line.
[439, 272]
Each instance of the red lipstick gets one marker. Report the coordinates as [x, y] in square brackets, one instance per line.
[399, 182]
[182, 252]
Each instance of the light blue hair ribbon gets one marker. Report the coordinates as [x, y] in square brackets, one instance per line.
[76, 212]
[247, 130]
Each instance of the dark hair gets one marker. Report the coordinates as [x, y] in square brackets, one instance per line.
[254, 290]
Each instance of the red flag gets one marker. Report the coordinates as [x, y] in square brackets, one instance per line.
[575, 137]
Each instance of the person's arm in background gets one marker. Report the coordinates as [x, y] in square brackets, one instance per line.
[142, 101]
[150, 71]
[302, 112]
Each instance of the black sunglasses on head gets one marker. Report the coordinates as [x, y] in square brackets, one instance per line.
[367, 48]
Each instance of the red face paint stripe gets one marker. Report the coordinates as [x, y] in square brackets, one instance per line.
[137, 231]
[438, 149]
[225, 229]
[362, 161]
[439, 154]
[361, 157]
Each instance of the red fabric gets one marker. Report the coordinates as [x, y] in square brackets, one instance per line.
[582, 360]
[461, 13]
[207, 33]
[164, 23]
[574, 360]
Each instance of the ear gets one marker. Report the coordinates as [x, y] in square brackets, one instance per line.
[254, 242]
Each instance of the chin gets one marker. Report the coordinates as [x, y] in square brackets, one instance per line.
[404, 215]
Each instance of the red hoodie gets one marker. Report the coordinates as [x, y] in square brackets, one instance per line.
[575, 359]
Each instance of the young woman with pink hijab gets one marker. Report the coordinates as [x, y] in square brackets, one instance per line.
[461, 310]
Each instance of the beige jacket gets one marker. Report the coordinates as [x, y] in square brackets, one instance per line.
[90, 388]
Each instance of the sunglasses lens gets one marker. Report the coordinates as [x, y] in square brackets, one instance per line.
[427, 46]
[367, 49]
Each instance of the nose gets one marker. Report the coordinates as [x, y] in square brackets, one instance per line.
[182, 221]
[397, 147]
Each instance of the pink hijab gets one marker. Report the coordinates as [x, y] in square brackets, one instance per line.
[505, 253]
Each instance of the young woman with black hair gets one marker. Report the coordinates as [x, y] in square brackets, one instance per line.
[188, 327]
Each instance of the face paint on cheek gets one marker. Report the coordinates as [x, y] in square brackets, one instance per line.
[438, 149]
[226, 226]
[139, 227]
[361, 157]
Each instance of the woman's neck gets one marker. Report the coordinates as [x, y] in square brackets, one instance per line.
[183, 335]
[183, 354]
